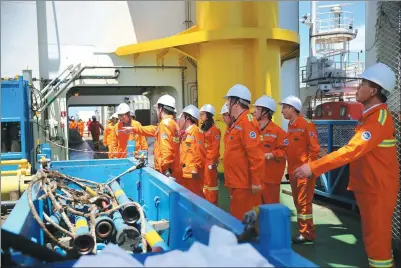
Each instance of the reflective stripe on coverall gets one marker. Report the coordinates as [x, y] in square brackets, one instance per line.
[81, 126]
[212, 147]
[274, 141]
[303, 147]
[374, 173]
[123, 138]
[191, 160]
[166, 146]
[243, 164]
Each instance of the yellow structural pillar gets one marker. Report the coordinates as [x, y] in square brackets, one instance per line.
[233, 42]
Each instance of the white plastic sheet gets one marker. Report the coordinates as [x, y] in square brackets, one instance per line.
[223, 251]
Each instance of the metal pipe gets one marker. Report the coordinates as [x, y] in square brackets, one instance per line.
[154, 240]
[128, 237]
[129, 212]
[22, 171]
[52, 82]
[57, 85]
[104, 227]
[14, 183]
[14, 162]
[55, 217]
[40, 110]
[83, 242]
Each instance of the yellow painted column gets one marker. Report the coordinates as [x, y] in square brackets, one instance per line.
[224, 63]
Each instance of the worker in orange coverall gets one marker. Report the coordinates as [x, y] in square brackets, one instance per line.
[123, 135]
[374, 168]
[167, 144]
[303, 147]
[211, 139]
[87, 125]
[110, 137]
[244, 161]
[73, 123]
[81, 126]
[274, 143]
[192, 154]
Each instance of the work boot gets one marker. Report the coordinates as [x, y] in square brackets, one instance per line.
[301, 240]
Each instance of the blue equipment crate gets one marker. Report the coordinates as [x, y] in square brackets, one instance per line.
[162, 198]
[15, 108]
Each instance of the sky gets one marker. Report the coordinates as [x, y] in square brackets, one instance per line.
[358, 10]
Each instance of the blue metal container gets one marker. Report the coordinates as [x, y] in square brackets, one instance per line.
[129, 212]
[83, 242]
[182, 209]
[16, 121]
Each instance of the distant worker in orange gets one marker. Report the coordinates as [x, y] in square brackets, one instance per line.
[374, 168]
[303, 147]
[244, 161]
[191, 155]
[211, 140]
[274, 143]
[87, 125]
[95, 128]
[109, 138]
[73, 123]
[167, 144]
[81, 126]
[123, 134]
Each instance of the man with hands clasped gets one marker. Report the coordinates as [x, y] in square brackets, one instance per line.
[244, 160]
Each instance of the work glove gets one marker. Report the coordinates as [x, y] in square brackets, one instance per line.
[256, 188]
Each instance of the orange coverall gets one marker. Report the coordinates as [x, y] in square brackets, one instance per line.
[374, 173]
[192, 160]
[244, 164]
[81, 126]
[110, 139]
[73, 125]
[303, 147]
[212, 147]
[122, 139]
[166, 146]
[274, 141]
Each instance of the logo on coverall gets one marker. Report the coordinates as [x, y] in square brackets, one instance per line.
[366, 135]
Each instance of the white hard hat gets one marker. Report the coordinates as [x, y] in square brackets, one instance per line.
[192, 110]
[239, 91]
[115, 115]
[207, 108]
[293, 101]
[382, 75]
[167, 100]
[267, 102]
[224, 109]
[123, 108]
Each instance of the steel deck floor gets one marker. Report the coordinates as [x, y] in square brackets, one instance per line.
[339, 239]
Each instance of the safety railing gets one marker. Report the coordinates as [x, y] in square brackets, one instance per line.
[332, 135]
[328, 22]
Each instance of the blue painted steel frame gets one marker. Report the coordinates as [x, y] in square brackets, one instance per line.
[162, 198]
[16, 107]
[327, 178]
